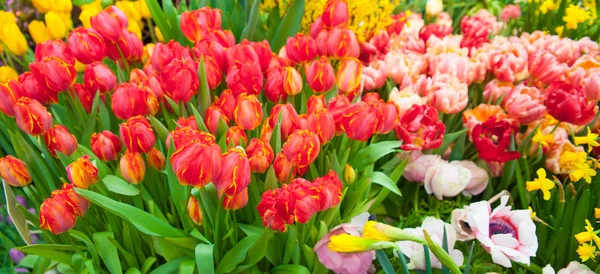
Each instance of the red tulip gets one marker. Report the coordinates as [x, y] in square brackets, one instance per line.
[87, 45]
[32, 117]
[132, 167]
[321, 123]
[235, 173]
[264, 53]
[60, 139]
[343, 43]
[492, 139]
[195, 24]
[56, 48]
[109, 23]
[35, 90]
[330, 190]
[234, 136]
[57, 215]
[420, 128]
[248, 112]
[360, 121]
[129, 101]
[437, 30]
[292, 81]
[301, 48]
[236, 202]
[128, 47]
[284, 170]
[274, 209]
[55, 73]
[335, 13]
[242, 53]
[67, 193]
[214, 49]
[137, 134]
[227, 103]
[568, 103]
[99, 78]
[163, 54]
[301, 148]
[316, 102]
[274, 90]
[320, 75]
[389, 118]
[212, 117]
[156, 159]
[322, 41]
[106, 145]
[213, 72]
[349, 76]
[289, 118]
[245, 78]
[10, 92]
[304, 199]
[194, 210]
[14, 172]
[182, 135]
[85, 96]
[187, 122]
[260, 155]
[196, 173]
[224, 38]
[82, 173]
[180, 80]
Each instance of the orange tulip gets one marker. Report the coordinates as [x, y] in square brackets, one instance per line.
[10, 92]
[292, 81]
[248, 112]
[260, 155]
[234, 136]
[137, 134]
[301, 148]
[106, 145]
[82, 173]
[60, 139]
[14, 172]
[320, 75]
[194, 210]
[133, 167]
[32, 117]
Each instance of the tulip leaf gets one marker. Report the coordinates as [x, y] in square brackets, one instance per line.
[468, 265]
[441, 255]
[204, 98]
[383, 180]
[290, 25]
[204, 258]
[170, 267]
[248, 32]
[52, 251]
[159, 18]
[276, 136]
[108, 251]
[370, 154]
[142, 220]
[199, 119]
[120, 186]
[80, 3]
[159, 127]
[385, 262]
[290, 269]
[448, 140]
[187, 266]
[148, 264]
[90, 125]
[18, 217]
[236, 255]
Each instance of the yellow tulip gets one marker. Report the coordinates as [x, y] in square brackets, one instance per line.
[135, 28]
[7, 17]
[79, 67]
[159, 35]
[59, 27]
[87, 11]
[14, 39]
[131, 10]
[8, 73]
[65, 6]
[38, 31]
[144, 10]
[42, 6]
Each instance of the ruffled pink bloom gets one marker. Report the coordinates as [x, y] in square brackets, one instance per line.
[509, 62]
[416, 169]
[544, 67]
[510, 12]
[374, 75]
[496, 168]
[566, 50]
[446, 180]
[587, 46]
[450, 43]
[448, 94]
[345, 263]
[496, 89]
[525, 104]
[475, 31]
[477, 71]
[444, 19]
[479, 177]
[421, 85]
[591, 85]
[413, 26]
[405, 99]
[402, 65]
[435, 228]
[406, 43]
[506, 234]
[574, 267]
[451, 64]
[490, 20]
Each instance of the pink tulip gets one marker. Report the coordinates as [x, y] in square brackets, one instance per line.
[405, 99]
[496, 89]
[416, 169]
[446, 180]
[525, 104]
[544, 67]
[510, 12]
[479, 177]
[449, 95]
[510, 62]
[374, 75]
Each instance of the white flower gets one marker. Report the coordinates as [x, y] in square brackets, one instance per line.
[446, 180]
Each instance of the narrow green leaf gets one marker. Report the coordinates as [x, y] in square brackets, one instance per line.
[248, 32]
[290, 25]
[204, 97]
[160, 129]
[187, 266]
[90, 125]
[448, 140]
[159, 18]
[199, 119]
[468, 265]
[18, 217]
[427, 259]
[370, 154]
[290, 269]
[80, 3]
[385, 262]
[236, 255]
[445, 270]
[204, 258]
[107, 251]
[51, 251]
[381, 179]
[439, 253]
[120, 186]
[169, 267]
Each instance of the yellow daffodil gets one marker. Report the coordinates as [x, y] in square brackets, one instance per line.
[588, 235]
[374, 230]
[543, 139]
[597, 213]
[8, 73]
[586, 252]
[533, 214]
[550, 120]
[570, 160]
[59, 22]
[559, 30]
[575, 15]
[144, 10]
[38, 31]
[547, 5]
[541, 183]
[7, 17]
[14, 39]
[582, 171]
[349, 243]
[590, 139]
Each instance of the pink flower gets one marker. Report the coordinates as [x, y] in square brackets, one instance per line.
[345, 263]
[401, 65]
[574, 267]
[591, 85]
[566, 50]
[496, 168]
[405, 99]
[510, 12]
[416, 169]
[510, 62]
[477, 71]
[506, 234]
[496, 89]
[449, 95]
[461, 225]
[374, 75]
[446, 180]
[479, 177]
[451, 64]
[435, 229]
[525, 104]
[544, 67]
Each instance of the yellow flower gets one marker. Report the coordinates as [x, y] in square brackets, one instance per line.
[559, 30]
[7, 73]
[548, 5]
[134, 27]
[533, 214]
[87, 11]
[575, 15]
[542, 183]
[144, 10]
[60, 24]
[7, 17]
[550, 120]
[543, 139]
[373, 230]
[64, 6]
[582, 171]
[586, 252]
[38, 31]
[597, 213]
[131, 10]
[348, 243]
[14, 39]
[590, 139]
[79, 67]
[571, 160]
[588, 235]
[42, 6]
[159, 35]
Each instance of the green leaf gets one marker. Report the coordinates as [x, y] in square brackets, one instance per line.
[160, 129]
[80, 3]
[385, 262]
[236, 255]
[18, 217]
[90, 125]
[204, 258]
[448, 140]
[142, 220]
[290, 269]
[204, 98]
[148, 264]
[439, 253]
[120, 186]
[170, 267]
[290, 25]
[468, 265]
[252, 21]
[52, 251]
[258, 251]
[276, 136]
[187, 266]
[381, 179]
[159, 18]
[108, 251]
[370, 154]
[199, 119]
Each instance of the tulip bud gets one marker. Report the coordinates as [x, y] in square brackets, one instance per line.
[213, 49]
[14, 39]
[109, 23]
[185, 162]
[180, 80]
[67, 193]
[274, 88]
[301, 48]
[56, 48]
[128, 101]
[10, 92]
[14, 172]
[301, 148]
[85, 96]
[248, 112]
[321, 122]
[389, 118]
[337, 106]
[260, 155]
[227, 103]
[133, 167]
[128, 47]
[194, 210]
[349, 76]
[235, 173]
[194, 24]
[364, 112]
[60, 139]
[284, 171]
[234, 137]
[106, 145]
[236, 202]
[137, 134]
[57, 215]
[245, 78]
[292, 81]
[38, 31]
[242, 53]
[98, 77]
[302, 122]
[264, 53]
[32, 117]
[87, 45]
[82, 173]
[187, 122]
[349, 174]
[163, 54]
[156, 159]
[55, 73]
[322, 41]
[59, 22]
[320, 75]
[335, 13]
[213, 115]
[213, 72]
[35, 90]
[343, 43]
[315, 103]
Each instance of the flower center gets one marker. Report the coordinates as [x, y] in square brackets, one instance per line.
[500, 226]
